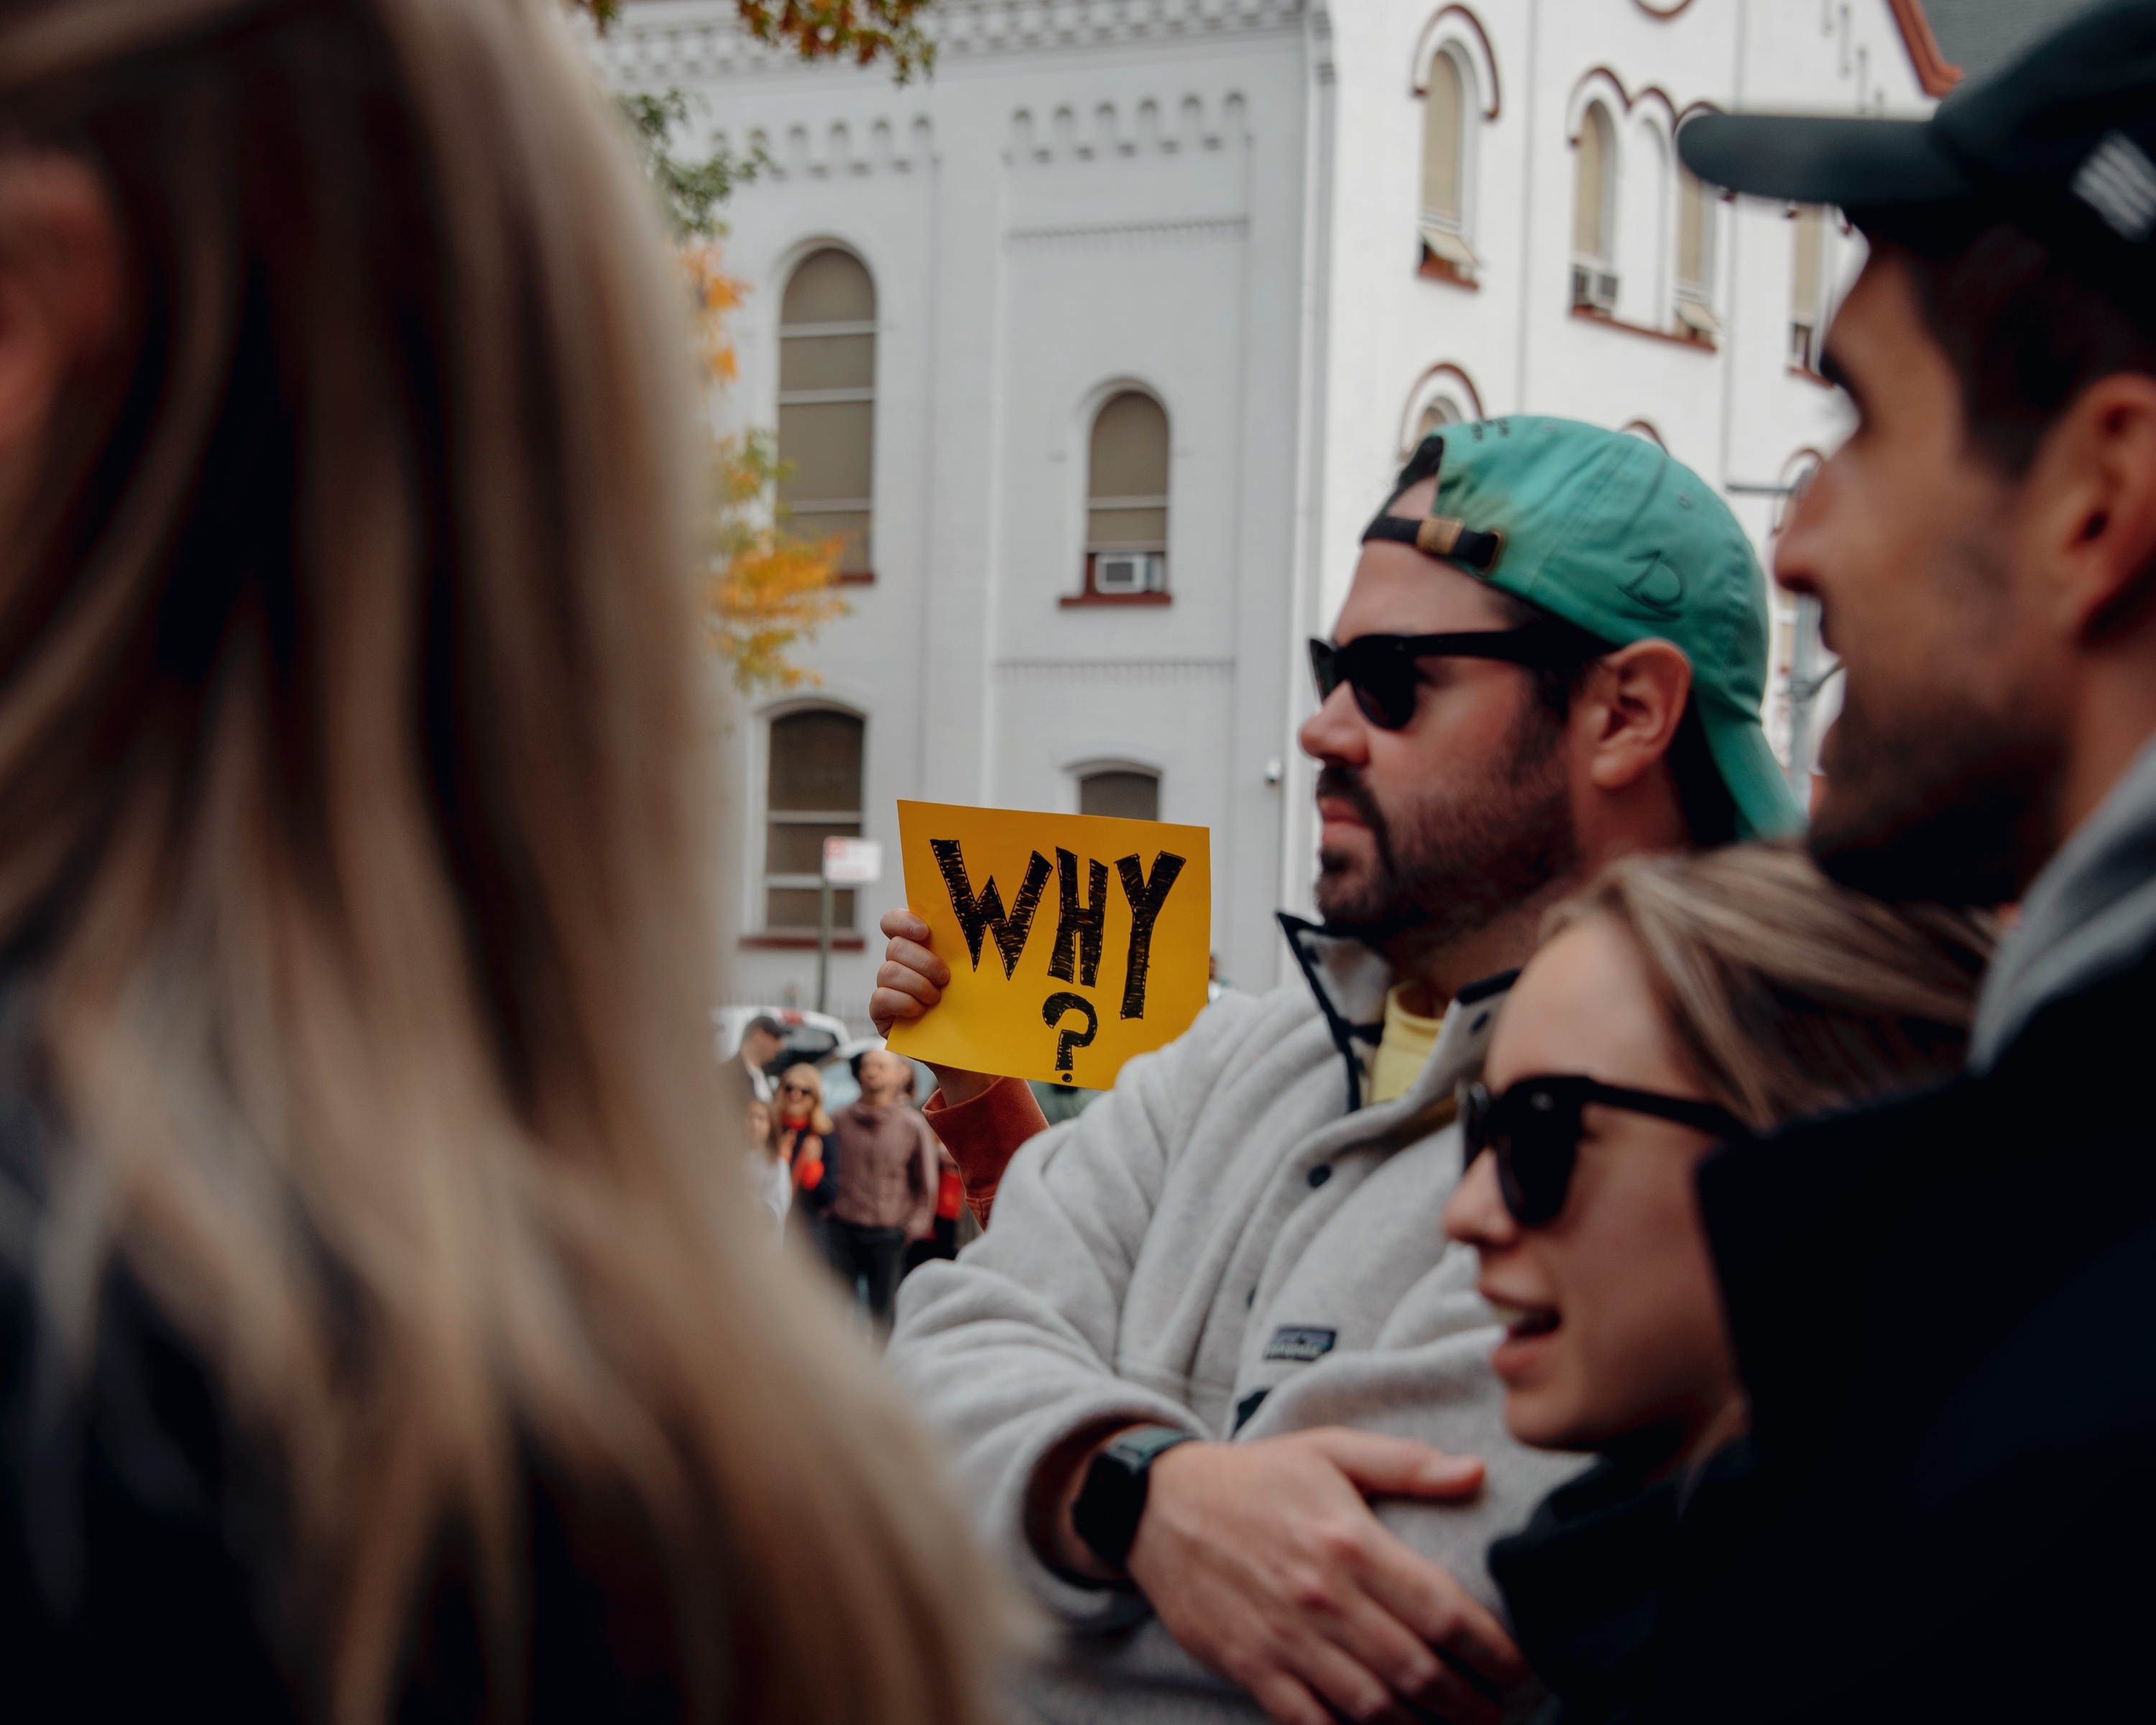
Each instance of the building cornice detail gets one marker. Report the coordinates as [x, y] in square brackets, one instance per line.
[1172, 231]
[1124, 671]
[706, 39]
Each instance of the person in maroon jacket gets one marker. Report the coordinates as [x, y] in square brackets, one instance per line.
[882, 1166]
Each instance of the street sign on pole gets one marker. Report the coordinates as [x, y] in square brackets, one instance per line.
[847, 862]
[853, 862]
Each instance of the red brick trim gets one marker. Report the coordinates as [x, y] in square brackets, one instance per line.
[855, 577]
[1436, 268]
[786, 940]
[1071, 599]
[1698, 344]
[1935, 73]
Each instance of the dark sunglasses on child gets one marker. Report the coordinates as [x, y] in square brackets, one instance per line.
[1382, 669]
[1534, 1129]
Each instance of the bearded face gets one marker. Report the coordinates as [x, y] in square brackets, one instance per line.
[1940, 769]
[1445, 862]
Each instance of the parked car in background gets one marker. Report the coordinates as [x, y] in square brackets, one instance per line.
[810, 1036]
[818, 1038]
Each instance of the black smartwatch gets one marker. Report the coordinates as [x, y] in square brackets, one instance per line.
[1106, 1515]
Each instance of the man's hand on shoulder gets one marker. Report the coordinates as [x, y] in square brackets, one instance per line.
[1264, 1561]
[911, 980]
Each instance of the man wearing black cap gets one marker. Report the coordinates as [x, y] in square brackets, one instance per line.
[1954, 1506]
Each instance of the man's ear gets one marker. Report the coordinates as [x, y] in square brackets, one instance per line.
[61, 284]
[2092, 497]
[1630, 708]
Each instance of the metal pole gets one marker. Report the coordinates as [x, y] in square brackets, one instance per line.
[823, 948]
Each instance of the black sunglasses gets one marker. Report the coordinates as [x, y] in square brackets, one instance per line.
[1381, 669]
[1535, 1128]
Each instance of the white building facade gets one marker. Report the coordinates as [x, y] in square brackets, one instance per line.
[1102, 345]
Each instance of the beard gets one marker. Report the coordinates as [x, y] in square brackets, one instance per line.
[1947, 801]
[1939, 789]
[1450, 865]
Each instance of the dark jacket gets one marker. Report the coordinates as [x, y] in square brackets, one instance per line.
[1583, 1583]
[1945, 1311]
[1602, 1584]
[145, 1567]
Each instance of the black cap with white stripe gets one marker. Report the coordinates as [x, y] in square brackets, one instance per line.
[2061, 142]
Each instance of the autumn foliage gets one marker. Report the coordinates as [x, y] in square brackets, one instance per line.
[862, 31]
[767, 591]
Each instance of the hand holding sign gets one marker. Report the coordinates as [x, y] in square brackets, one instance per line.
[1121, 970]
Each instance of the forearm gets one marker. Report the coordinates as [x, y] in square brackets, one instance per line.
[984, 1132]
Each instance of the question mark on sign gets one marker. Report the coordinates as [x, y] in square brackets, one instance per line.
[1051, 1013]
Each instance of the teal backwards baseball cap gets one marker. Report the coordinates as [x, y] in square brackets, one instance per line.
[1604, 530]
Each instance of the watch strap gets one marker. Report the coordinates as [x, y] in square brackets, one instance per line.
[1106, 1515]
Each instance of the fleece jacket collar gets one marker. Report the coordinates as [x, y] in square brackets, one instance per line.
[1350, 983]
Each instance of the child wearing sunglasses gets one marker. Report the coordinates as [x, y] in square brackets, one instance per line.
[1682, 1002]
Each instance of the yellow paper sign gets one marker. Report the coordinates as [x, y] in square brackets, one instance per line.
[1074, 941]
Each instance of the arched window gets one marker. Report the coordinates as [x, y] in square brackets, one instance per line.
[1807, 296]
[1441, 411]
[827, 401]
[1127, 498]
[1593, 248]
[1444, 249]
[1123, 791]
[1695, 306]
[812, 793]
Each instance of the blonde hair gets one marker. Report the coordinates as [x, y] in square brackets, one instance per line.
[1784, 992]
[354, 768]
[819, 1120]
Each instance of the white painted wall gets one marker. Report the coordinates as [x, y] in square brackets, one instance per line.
[1216, 200]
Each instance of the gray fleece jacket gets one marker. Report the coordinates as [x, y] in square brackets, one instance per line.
[1226, 1243]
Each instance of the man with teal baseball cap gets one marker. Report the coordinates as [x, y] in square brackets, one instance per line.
[1605, 532]
[1216, 1315]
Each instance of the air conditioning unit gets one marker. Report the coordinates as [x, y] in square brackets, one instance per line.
[1126, 572]
[1594, 289]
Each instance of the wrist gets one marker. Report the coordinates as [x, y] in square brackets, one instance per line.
[1113, 1490]
[955, 1085]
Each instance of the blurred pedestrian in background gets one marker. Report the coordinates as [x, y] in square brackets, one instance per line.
[942, 1242]
[769, 1177]
[761, 1040]
[801, 1129]
[378, 1333]
[1679, 1003]
[885, 1168]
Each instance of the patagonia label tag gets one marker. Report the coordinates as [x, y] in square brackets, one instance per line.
[1296, 1343]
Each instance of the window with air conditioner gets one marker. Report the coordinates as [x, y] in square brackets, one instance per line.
[1126, 500]
[1593, 218]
